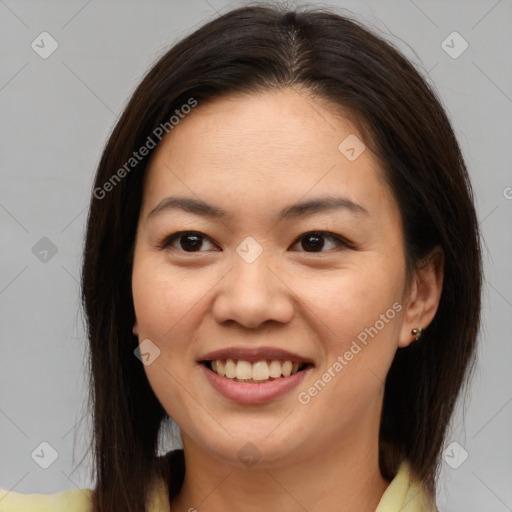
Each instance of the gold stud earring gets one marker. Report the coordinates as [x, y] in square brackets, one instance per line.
[417, 332]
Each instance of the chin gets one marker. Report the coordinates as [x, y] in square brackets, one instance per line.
[255, 444]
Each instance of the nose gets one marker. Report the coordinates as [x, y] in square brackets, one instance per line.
[251, 294]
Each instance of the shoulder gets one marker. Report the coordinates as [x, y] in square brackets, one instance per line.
[404, 494]
[77, 500]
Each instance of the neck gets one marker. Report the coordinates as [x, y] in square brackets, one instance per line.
[347, 474]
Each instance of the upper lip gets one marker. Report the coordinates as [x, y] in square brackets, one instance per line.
[255, 354]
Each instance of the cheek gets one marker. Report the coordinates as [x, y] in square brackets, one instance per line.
[161, 303]
[161, 300]
[351, 380]
[151, 297]
[346, 303]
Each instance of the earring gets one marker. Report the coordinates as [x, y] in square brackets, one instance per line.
[417, 332]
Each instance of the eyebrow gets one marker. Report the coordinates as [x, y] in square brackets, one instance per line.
[310, 207]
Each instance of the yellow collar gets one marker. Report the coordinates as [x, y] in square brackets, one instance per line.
[404, 494]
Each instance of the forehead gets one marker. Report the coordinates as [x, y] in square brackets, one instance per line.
[275, 144]
[280, 126]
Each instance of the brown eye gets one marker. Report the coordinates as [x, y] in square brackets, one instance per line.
[190, 243]
[186, 241]
[315, 241]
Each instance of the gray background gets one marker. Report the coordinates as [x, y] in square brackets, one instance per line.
[56, 114]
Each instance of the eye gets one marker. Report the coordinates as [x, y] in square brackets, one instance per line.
[187, 241]
[314, 241]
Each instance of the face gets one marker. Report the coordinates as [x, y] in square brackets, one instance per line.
[263, 249]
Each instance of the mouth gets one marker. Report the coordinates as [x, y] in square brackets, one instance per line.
[255, 375]
[258, 372]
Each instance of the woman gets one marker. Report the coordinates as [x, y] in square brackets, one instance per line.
[282, 232]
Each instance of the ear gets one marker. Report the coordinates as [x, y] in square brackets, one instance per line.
[135, 329]
[424, 296]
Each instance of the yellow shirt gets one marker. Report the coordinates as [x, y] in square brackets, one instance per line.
[402, 495]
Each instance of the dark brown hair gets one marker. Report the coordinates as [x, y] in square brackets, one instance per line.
[334, 58]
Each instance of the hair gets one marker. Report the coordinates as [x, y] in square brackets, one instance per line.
[261, 48]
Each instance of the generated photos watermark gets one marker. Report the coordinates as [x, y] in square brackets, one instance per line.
[304, 397]
[137, 156]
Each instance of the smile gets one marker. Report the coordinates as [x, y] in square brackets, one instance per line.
[257, 372]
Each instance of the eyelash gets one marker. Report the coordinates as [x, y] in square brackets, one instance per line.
[167, 241]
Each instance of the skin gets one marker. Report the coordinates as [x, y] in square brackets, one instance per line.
[252, 155]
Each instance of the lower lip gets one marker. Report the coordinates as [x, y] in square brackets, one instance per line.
[251, 393]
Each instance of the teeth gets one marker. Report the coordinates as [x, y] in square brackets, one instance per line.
[259, 371]
[275, 369]
[230, 369]
[243, 370]
[287, 368]
[221, 368]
